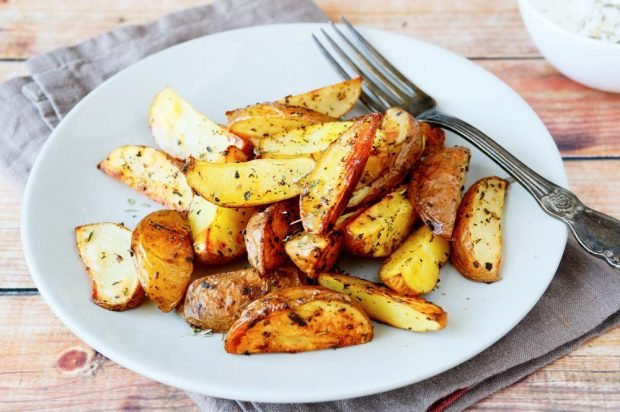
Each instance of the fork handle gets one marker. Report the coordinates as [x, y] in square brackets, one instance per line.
[597, 233]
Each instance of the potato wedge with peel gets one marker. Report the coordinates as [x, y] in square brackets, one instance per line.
[266, 232]
[266, 119]
[215, 302]
[413, 269]
[383, 305]
[381, 228]
[334, 100]
[105, 250]
[163, 255]
[436, 188]
[326, 191]
[477, 247]
[298, 319]
[313, 253]
[217, 232]
[150, 172]
[253, 183]
[434, 138]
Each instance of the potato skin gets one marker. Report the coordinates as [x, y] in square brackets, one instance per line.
[314, 253]
[216, 301]
[298, 319]
[163, 255]
[434, 138]
[477, 248]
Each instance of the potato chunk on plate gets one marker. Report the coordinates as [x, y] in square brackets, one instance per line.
[314, 253]
[334, 100]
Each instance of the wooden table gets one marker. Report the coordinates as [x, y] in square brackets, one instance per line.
[43, 366]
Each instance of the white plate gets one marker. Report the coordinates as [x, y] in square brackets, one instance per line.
[234, 69]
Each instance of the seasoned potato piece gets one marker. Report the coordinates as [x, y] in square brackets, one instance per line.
[434, 138]
[105, 250]
[262, 120]
[217, 232]
[381, 228]
[163, 255]
[477, 248]
[346, 218]
[413, 269]
[327, 189]
[334, 100]
[150, 172]
[181, 131]
[382, 304]
[436, 188]
[253, 183]
[265, 234]
[299, 319]
[314, 253]
[216, 301]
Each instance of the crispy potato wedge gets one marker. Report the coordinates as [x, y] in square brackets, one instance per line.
[216, 301]
[334, 100]
[150, 172]
[381, 228]
[436, 188]
[327, 189]
[298, 319]
[163, 255]
[398, 124]
[266, 119]
[265, 234]
[105, 250]
[434, 138]
[413, 269]
[477, 248]
[314, 253]
[346, 218]
[383, 305]
[217, 232]
[253, 183]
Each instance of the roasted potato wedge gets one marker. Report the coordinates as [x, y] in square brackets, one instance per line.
[181, 131]
[346, 218]
[266, 119]
[436, 188]
[383, 305]
[217, 232]
[381, 228]
[163, 255]
[215, 302]
[334, 100]
[298, 319]
[413, 269]
[327, 189]
[105, 250]
[477, 247]
[314, 253]
[150, 172]
[434, 138]
[253, 183]
[265, 234]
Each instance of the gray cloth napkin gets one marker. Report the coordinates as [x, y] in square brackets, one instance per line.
[582, 301]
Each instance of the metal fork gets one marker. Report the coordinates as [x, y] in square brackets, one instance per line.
[385, 86]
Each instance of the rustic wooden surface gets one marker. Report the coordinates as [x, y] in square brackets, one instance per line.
[43, 366]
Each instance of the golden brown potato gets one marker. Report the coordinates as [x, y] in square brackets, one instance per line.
[327, 189]
[215, 302]
[477, 248]
[150, 172]
[217, 232]
[299, 319]
[266, 119]
[381, 228]
[182, 131]
[314, 253]
[265, 234]
[105, 250]
[346, 218]
[413, 269]
[383, 305]
[434, 138]
[436, 188]
[334, 100]
[253, 183]
[163, 255]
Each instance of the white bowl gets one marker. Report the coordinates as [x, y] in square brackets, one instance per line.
[593, 63]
